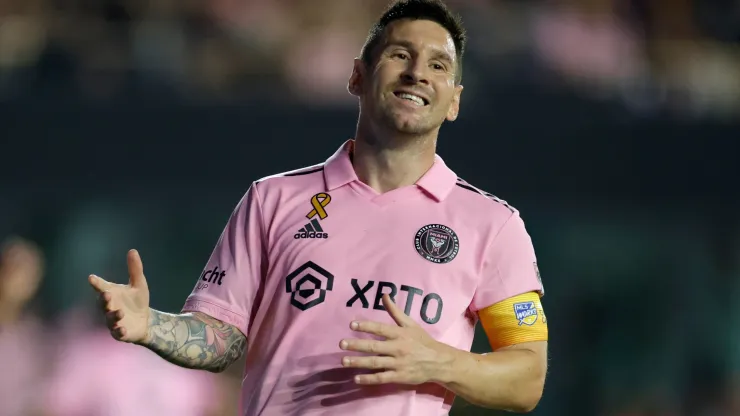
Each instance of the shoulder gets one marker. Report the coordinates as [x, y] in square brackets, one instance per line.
[481, 201]
[292, 180]
[287, 189]
[313, 172]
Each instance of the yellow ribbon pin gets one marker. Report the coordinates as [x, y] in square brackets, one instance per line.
[318, 202]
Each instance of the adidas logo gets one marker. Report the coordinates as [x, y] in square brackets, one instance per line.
[311, 230]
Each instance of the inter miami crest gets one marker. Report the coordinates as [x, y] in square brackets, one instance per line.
[437, 243]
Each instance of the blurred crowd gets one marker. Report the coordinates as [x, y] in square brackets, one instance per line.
[650, 55]
[71, 366]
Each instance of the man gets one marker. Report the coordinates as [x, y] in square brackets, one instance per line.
[23, 342]
[358, 282]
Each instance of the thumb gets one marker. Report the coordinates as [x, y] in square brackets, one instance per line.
[396, 312]
[135, 270]
[98, 283]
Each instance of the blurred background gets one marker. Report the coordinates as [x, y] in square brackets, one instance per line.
[612, 126]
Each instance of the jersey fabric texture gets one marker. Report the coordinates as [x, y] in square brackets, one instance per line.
[306, 252]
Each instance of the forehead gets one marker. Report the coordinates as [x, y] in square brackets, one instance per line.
[421, 35]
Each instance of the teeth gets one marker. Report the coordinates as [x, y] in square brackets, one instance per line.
[414, 98]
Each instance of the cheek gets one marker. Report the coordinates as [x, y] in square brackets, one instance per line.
[381, 73]
[377, 83]
[446, 99]
[446, 91]
[388, 73]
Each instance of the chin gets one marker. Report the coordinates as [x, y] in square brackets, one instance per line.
[408, 125]
[412, 129]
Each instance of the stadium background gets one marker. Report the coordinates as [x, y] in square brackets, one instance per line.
[611, 125]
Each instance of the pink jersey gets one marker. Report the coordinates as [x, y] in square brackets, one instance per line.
[306, 252]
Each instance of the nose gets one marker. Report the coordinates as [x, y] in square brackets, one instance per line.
[415, 73]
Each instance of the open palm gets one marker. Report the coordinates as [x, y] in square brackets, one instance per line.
[126, 307]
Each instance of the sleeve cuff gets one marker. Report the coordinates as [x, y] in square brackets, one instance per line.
[216, 311]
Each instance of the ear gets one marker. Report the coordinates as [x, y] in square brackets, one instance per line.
[354, 85]
[454, 110]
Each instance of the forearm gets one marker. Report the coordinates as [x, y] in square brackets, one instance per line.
[506, 380]
[194, 340]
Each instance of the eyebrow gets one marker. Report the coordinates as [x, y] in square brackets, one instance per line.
[436, 53]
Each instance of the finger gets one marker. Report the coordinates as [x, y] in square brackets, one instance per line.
[370, 346]
[98, 283]
[135, 270]
[396, 313]
[113, 317]
[372, 363]
[117, 333]
[104, 301]
[375, 328]
[378, 378]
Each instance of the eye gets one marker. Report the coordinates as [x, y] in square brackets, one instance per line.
[438, 67]
[400, 55]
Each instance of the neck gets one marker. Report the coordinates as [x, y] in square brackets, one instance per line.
[386, 162]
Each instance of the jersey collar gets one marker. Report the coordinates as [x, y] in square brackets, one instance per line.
[438, 181]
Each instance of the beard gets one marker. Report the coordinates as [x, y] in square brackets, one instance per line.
[400, 121]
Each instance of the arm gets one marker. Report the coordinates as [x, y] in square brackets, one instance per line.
[194, 340]
[511, 378]
[209, 333]
[507, 302]
[514, 374]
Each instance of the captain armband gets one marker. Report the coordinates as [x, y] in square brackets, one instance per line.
[514, 321]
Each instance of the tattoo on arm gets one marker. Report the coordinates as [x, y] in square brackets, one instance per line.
[194, 340]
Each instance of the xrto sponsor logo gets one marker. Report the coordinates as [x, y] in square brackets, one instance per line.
[431, 305]
[210, 277]
[309, 285]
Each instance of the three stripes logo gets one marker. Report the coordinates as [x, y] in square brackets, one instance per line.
[311, 230]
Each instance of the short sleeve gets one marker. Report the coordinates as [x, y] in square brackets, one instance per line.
[509, 266]
[228, 286]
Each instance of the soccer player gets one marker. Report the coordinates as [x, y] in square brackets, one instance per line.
[358, 282]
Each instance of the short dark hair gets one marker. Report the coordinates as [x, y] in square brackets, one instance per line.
[433, 10]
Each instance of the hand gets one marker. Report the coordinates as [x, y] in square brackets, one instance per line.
[126, 307]
[408, 355]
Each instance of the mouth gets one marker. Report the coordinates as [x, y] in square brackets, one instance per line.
[414, 98]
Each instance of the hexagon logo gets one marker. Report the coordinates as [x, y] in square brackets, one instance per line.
[308, 285]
